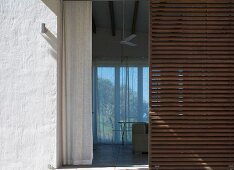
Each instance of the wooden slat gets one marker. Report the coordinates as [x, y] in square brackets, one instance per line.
[192, 84]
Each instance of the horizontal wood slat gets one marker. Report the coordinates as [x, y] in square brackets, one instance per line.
[192, 84]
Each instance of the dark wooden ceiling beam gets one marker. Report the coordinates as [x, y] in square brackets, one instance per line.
[112, 17]
[94, 25]
[134, 19]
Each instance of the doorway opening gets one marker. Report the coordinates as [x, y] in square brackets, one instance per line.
[120, 83]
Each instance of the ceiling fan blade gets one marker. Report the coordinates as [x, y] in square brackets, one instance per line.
[130, 44]
[123, 42]
[129, 38]
[127, 43]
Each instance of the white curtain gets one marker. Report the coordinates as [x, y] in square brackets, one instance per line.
[78, 53]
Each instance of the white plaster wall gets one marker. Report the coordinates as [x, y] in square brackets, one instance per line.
[28, 84]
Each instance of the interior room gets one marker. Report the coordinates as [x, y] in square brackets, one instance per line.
[120, 83]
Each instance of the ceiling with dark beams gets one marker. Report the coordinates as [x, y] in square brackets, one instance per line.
[109, 15]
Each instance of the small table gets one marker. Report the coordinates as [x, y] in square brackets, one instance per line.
[123, 128]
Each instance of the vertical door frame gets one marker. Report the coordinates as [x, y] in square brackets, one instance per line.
[61, 85]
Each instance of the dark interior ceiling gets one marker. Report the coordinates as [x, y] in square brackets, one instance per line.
[102, 15]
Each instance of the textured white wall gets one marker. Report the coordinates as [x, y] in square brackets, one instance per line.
[28, 84]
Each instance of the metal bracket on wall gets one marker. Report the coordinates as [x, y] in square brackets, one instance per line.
[43, 28]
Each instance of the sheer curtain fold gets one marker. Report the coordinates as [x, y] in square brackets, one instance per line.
[78, 54]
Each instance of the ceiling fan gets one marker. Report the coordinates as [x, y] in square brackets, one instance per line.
[126, 40]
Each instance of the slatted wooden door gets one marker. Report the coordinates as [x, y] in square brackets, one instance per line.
[191, 84]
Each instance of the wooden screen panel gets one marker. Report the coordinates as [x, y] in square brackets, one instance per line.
[191, 84]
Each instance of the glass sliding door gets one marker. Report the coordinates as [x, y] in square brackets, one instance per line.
[120, 97]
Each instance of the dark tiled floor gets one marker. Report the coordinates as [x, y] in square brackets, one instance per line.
[117, 156]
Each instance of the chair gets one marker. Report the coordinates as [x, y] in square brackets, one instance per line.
[140, 137]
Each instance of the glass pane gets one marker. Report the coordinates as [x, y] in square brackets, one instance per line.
[129, 98]
[122, 98]
[105, 104]
[145, 93]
